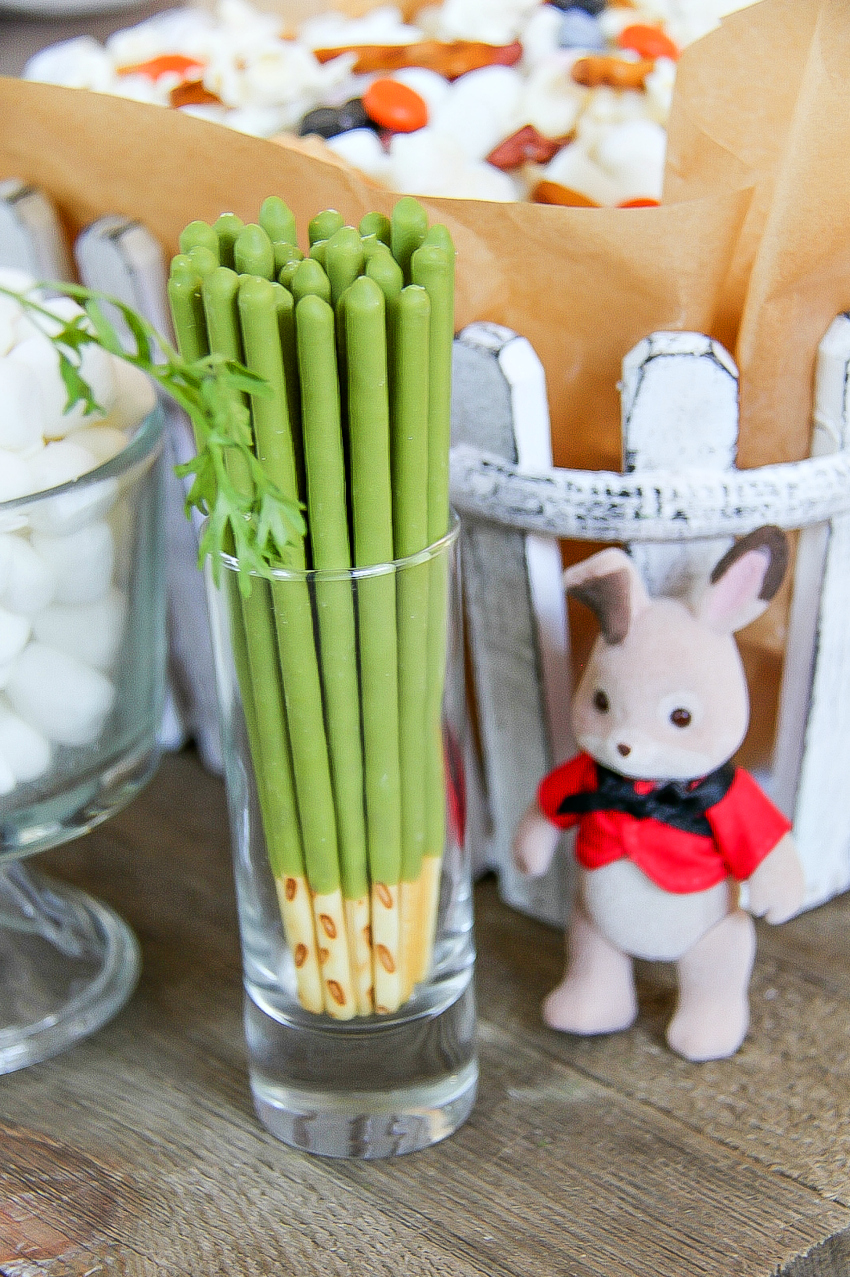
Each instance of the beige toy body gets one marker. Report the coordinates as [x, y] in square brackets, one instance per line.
[661, 708]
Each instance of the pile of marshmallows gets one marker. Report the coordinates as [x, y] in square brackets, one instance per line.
[571, 108]
[61, 615]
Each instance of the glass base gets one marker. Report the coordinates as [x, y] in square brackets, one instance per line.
[68, 964]
[367, 1089]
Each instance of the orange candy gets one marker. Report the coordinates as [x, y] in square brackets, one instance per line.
[641, 201]
[165, 63]
[394, 106]
[647, 42]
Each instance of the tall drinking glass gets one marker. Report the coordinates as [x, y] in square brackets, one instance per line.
[344, 717]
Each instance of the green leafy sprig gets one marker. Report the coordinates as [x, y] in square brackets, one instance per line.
[254, 522]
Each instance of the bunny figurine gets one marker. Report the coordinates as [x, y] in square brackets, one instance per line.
[667, 827]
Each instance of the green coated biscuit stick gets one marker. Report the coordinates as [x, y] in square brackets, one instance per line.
[284, 253]
[377, 225]
[409, 227]
[327, 514]
[187, 309]
[285, 304]
[278, 220]
[259, 316]
[368, 413]
[204, 260]
[372, 246]
[317, 251]
[433, 269]
[343, 260]
[286, 274]
[309, 279]
[324, 224]
[253, 253]
[199, 235]
[298, 654]
[227, 228]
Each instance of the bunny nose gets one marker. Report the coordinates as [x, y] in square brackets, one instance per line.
[624, 750]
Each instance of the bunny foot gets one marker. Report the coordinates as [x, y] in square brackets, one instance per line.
[713, 1014]
[597, 994]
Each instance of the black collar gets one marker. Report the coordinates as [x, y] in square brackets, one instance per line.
[679, 803]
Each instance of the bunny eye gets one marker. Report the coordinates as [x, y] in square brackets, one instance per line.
[681, 717]
[680, 709]
[600, 701]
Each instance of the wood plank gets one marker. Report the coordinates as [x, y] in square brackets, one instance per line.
[782, 1100]
[138, 1151]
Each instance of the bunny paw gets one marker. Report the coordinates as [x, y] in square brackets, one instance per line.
[711, 1031]
[574, 1007]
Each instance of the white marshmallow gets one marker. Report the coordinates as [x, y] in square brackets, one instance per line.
[25, 750]
[135, 396]
[14, 635]
[81, 562]
[80, 64]
[362, 148]
[633, 155]
[91, 632]
[430, 163]
[22, 416]
[480, 110]
[59, 695]
[69, 511]
[28, 584]
[574, 168]
[103, 442]
[16, 477]
[10, 315]
[493, 21]
[431, 87]
[551, 100]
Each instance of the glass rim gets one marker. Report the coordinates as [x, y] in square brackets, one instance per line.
[432, 551]
[144, 440]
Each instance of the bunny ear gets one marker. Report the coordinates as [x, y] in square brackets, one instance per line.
[745, 580]
[609, 584]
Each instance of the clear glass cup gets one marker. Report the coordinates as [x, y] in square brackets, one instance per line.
[82, 617]
[343, 714]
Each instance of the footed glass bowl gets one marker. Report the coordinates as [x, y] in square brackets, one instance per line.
[82, 668]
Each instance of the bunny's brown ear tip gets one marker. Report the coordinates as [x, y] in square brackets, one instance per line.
[774, 543]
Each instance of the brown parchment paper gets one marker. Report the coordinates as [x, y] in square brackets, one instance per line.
[583, 285]
[766, 99]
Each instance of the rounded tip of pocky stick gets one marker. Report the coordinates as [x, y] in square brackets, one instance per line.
[277, 220]
[253, 253]
[372, 245]
[284, 253]
[309, 277]
[317, 251]
[227, 228]
[438, 236]
[198, 234]
[325, 224]
[387, 274]
[409, 226]
[343, 260]
[377, 224]
[204, 260]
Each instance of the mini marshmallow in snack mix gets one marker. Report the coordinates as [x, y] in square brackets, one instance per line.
[562, 103]
[61, 613]
[667, 827]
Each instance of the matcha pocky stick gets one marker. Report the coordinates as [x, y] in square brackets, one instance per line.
[252, 639]
[327, 515]
[432, 267]
[299, 660]
[368, 418]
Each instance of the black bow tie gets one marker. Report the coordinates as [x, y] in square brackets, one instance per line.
[679, 803]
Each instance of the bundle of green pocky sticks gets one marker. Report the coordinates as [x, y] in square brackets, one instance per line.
[341, 687]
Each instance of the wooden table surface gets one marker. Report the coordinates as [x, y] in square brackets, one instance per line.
[138, 1151]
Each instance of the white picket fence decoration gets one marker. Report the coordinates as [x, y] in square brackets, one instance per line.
[677, 505]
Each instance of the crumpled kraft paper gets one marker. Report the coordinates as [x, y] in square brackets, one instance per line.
[583, 285]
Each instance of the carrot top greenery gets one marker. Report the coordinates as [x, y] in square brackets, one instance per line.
[257, 523]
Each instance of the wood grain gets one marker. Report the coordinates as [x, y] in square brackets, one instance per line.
[138, 1153]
